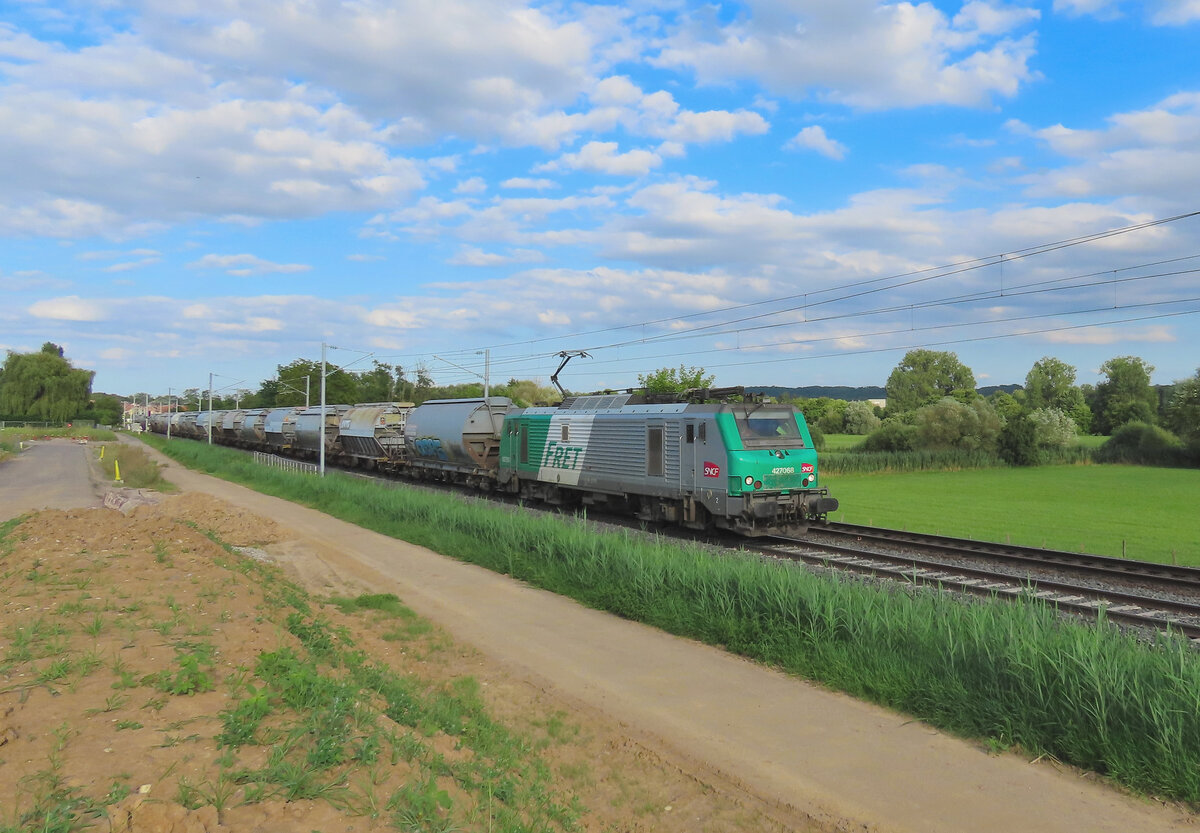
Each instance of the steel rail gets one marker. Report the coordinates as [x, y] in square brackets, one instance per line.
[1131, 570]
[1115, 605]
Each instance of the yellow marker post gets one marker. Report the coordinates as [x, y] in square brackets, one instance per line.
[117, 470]
[102, 451]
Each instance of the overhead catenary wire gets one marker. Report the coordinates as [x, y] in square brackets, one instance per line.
[536, 360]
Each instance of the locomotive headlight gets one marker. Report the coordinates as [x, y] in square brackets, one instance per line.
[749, 480]
[808, 480]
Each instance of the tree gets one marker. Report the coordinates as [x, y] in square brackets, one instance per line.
[526, 392]
[105, 409]
[1050, 383]
[382, 383]
[1126, 394]
[861, 418]
[925, 376]
[672, 380]
[1183, 409]
[1007, 405]
[43, 386]
[833, 421]
[949, 424]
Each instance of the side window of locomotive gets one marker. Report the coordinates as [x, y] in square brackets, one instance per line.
[566, 433]
[523, 431]
[654, 452]
[703, 432]
[691, 433]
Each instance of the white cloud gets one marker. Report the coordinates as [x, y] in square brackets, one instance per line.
[1153, 152]
[478, 69]
[1113, 335]
[25, 280]
[474, 256]
[602, 157]
[246, 264]
[391, 318]
[1102, 9]
[474, 185]
[529, 182]
[69, 308]
[861, 52]
[1161, 12]
[130, 265]
[814, 138]
[1176, 12]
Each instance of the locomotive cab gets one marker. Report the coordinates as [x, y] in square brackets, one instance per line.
[773, 484]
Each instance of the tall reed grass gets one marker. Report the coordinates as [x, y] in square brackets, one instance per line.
[866, 462]
[1011, 673]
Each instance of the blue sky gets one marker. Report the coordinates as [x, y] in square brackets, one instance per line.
[788, 193]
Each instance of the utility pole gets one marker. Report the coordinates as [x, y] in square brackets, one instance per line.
[210, 408]
[324, 347]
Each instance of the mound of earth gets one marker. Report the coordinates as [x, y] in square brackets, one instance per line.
[127, 639]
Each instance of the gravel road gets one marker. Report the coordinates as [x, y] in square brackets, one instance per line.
[50, 474]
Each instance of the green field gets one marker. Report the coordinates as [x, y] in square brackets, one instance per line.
[1150, 513]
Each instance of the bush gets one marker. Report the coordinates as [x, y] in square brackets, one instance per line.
[818, 437]
[1144, 444]
[950, 424]
[891, 435]
[1018, 445]
[1052, 428]
[861, 419]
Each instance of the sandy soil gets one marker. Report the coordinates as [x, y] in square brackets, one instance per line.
[676, 736]
[95, 587]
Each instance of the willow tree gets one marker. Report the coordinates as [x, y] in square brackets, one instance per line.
[43, 386]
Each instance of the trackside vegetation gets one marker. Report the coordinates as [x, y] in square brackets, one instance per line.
[1014, 674]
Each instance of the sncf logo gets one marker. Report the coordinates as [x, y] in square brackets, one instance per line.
[806, 468]
[712, 470]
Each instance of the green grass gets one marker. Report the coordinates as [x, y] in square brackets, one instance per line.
[842, 442]
[1146, 512]
[17, 435]
[1009, 673]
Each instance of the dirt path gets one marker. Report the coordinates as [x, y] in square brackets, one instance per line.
[805, 751]
[49, 474]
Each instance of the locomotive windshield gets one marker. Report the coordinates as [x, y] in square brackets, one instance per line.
[768, 426]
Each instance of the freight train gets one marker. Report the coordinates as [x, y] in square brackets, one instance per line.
[744, 466]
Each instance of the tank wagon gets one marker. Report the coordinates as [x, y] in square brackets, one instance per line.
[748, 467]
[457, 440]
[374, 433]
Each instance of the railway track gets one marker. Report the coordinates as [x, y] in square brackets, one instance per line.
[1139, 593]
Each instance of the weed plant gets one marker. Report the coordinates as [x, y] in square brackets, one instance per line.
[138, 471]
[1011, 673]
